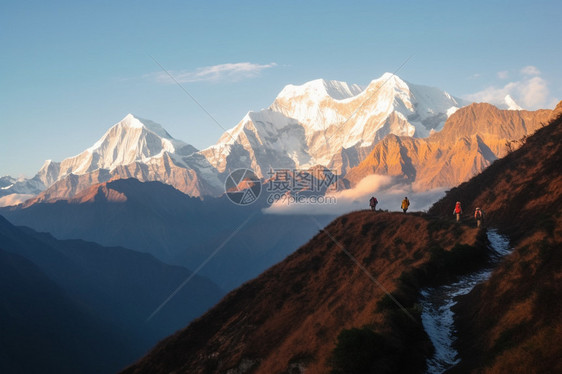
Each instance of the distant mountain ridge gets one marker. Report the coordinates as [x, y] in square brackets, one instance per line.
[35, 315]
[130, 140]
[473, 138]
[327, 123]
[320, 123]
[131, 148]
[156, 218]
[313, 124]
[86, 305]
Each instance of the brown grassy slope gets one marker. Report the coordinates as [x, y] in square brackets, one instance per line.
[513, 322]
[292, 313]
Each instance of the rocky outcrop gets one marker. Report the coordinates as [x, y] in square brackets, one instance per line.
[473, 138]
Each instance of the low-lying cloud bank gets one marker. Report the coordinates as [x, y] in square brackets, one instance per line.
[388, 192]
[14, 199]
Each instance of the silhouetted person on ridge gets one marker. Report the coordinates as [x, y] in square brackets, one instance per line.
[478, 216]
[373, 203]
[458, 210]
[405, 204]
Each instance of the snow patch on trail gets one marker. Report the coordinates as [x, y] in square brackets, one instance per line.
[437, 316]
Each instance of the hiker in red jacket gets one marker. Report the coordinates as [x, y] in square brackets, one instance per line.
[458, 210]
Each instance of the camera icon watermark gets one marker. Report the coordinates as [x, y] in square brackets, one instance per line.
[242, 187]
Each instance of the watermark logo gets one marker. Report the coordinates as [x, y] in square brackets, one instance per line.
[242, 186]
[295, 180]
[288, 199]
[283, 186]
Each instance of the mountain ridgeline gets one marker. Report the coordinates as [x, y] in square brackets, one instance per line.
[473, 138]
[158, 219]
[324, 307]
[323, 123]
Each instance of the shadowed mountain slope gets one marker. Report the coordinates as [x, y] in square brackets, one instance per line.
[156, 218]
[43, 330]
[120, 287]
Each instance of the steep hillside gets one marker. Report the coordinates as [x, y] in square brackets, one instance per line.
[473, 137]
[520, 184]
[290, 316]
[513, 322]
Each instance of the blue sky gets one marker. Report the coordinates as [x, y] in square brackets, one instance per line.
[71, 69]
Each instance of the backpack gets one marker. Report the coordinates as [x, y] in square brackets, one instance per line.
[478, 214]
[458, 209]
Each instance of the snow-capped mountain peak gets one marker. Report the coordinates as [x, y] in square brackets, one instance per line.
[262, 140]
[313, 123]
[320, 89]
[390, 80]
[511, 104]
[134, 139]
[127, 144]
[131, 121]
[388, 105]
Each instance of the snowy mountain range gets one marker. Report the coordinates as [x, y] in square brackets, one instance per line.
[134, 148]
[324, 122]
[320, 123]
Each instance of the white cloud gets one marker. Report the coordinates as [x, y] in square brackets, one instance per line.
[388, 193]
[503, 74]
[14, 199]
[530, 70]
[530, 91]
[231, 72]
[533, 92]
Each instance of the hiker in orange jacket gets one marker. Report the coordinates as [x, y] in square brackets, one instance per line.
[405, 204]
